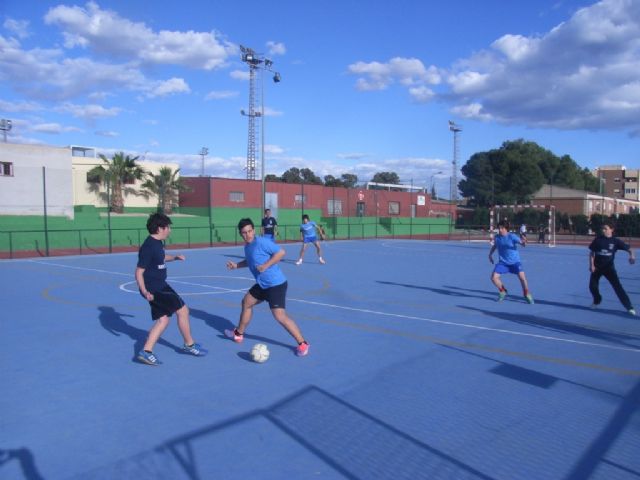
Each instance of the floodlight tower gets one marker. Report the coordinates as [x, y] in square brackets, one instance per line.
[456, 129]
[256, 62]
[204, 151]
[5, 126]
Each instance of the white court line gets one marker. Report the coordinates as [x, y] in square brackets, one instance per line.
[466, 325]
[79, 268]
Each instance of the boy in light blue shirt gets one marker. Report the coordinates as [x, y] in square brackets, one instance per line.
[308, 235]
[262, 256]
[509, 260]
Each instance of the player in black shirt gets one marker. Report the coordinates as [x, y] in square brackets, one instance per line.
[601, 263]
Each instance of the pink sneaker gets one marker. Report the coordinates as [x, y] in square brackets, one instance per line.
[233, 335]
[302, 349]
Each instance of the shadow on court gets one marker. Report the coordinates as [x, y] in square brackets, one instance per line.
[113, 322]
[341, 437]
[25, 460]
[443, 291]
[558, 326]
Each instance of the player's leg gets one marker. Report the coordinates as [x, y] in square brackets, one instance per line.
[611, 275]
[280, 314]
[594, 288]
[302, 249]
[246, 313]
[319, 251]
[502, 292]
[158, 328]
[525, 287]
[184, 326]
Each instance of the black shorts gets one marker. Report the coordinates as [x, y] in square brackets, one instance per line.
[276, 296]
[165, 302]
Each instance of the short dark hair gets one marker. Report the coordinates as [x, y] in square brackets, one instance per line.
[157, 221]
[243, 223]
[305, 216]
[609, 224]
[267, 210]
[503, 223]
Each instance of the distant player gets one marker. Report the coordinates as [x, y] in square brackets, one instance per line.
[269, 225]
[308, 235]
[262, 257]
[509, 260]
[523, 231]
[602, 254]
[151, 276]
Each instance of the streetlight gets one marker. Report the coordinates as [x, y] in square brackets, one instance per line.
[5, 126]
[602, 181]
[431, 181]
[204, 151]
[255, 62]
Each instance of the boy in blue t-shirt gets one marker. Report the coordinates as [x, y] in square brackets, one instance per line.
[151, 276]
[509, 260]
[262, 256]
[308, 235]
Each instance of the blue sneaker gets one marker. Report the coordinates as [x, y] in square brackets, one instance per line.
[529, 298]
[502, 295]
[148, 358]
[195, 349]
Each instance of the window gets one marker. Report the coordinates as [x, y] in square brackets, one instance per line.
[236, 196]
[93, 178]
[6, 169]
[629, 190]
[334, 207]
[394, 208]
[299, 199]
[616, 179]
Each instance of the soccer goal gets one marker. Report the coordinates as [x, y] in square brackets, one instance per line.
[548, 235]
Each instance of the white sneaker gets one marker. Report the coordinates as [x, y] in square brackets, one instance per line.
[631, 311]
[593, 306]
[321, 260]
[299, 262]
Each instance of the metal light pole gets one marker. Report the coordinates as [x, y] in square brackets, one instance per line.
[256, 62]
[431, 181]
[204, 151]
[5, 126]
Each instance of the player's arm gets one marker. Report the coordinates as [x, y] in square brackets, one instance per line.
[172, 258]
[320, 231]
[592, 265]
[632, 257]
[275, 258]
[141, 286]
[493, 249]
[233, 265]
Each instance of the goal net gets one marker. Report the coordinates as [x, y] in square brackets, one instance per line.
[542, 231]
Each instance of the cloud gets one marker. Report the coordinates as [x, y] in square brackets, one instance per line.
[20, 107]
[106, 33]
[239, 75]
[276, 48]
[52, 128]
[351, 156]
[220, 94]
[168, 87]
[20, 28]
[581, 74]
[110, 134]
[88, 112]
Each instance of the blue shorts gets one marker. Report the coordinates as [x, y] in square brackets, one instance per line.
[310, 239]
[504, 268]
[276, 296]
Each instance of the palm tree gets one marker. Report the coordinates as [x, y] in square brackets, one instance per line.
[166, 185]
[117, 172]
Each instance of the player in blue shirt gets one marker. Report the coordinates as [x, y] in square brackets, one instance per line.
[602, 252]
[308, 235]
[262, 256]
[151, 276]
[509, 260]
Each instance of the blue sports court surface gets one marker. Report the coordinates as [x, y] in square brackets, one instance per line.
[414, 372]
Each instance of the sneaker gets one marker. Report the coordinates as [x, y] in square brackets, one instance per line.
[195, 349]
[233, 336]
[631, 311]
[321, 260]
[529, 298]
[302, 349]
[593, 306]
[148, 358]
[502, 295]
[299, 262]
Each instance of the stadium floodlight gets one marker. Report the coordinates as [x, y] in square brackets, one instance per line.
[5, 126]
[256, 62]
[204, 151]
[431, 180]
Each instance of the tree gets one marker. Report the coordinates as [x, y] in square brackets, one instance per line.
[120, 171]
[167, 186]
[349, 179]
[386, 177]
[346, 180]
[272, 178]
[296, 175]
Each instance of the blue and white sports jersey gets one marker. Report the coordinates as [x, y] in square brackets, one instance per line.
[258, 252]
[308, 229]
[508, 248]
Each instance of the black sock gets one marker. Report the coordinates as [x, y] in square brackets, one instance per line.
[148, 351]
[235, 330]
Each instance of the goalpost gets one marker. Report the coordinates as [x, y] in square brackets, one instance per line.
[494, 219]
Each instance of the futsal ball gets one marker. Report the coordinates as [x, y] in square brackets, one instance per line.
[260, 353]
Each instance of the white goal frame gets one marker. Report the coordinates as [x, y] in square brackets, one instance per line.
[494, 219]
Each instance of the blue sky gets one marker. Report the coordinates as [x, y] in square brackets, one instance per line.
[366, 86]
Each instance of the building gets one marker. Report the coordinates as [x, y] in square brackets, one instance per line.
[579, 202]
[29, 174]
[617, 181]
